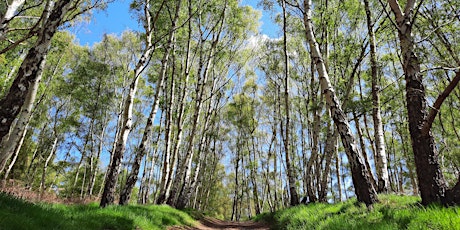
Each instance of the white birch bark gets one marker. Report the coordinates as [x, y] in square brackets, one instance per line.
[9, 14]
[289, 168]
[8, 145]
[127, 116]
[364, 190]
[132, 178]
[380, 153]
[31, 67]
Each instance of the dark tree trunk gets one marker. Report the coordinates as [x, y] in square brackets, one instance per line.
[432, 185]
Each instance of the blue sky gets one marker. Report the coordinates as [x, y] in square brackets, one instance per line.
[116, 19]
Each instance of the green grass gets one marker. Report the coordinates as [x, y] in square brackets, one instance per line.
[393, 212]
[18, 214]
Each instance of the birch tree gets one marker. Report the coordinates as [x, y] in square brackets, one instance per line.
[431, 181]
[127, 122]
[132, 178]
[380, 155]
[364, 190]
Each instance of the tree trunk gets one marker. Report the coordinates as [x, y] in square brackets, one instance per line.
[45, 167]
[95, 168]
[183, 178]
[380, 153]
[363, 147]
[431, 182]
[31, 68]
[114, 167]
[132, 178]
[364, 190]
[330, 149]
[289, 168]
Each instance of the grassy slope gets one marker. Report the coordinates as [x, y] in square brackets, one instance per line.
[394, 212]
[19, 214]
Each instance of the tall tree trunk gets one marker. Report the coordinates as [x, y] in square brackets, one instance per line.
[338, 163]
[363, 147]
[189, 185]
[132, 178]
[364, 190]
[88, 140]
[31, 67]
[289, 168]
[127, 123]
[380, 154]
[431, 182]
[255, 189]
[183, 177]
[13, 143]
[235, 194]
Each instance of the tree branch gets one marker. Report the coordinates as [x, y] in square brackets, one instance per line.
[437, 104]
[396, 9]
[409, 7]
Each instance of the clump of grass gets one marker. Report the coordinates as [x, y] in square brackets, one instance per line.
[18, 214]
[393, 212]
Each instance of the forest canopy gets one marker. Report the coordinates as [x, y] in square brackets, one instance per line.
[199, 109]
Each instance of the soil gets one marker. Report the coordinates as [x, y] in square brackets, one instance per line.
[208, 223]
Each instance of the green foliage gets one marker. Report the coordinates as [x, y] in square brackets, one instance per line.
[394, 212]
[19, 214]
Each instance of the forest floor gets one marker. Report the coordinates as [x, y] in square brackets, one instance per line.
[209, 223]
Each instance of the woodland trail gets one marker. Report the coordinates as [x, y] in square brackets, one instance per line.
[208, 223]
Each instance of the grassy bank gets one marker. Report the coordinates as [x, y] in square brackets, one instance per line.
[394, 212]
[18, 214]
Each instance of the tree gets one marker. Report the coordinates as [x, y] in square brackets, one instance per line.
[380, 154]
[32, 66]
[364, 189]
[127, 116]
[290, 172]
[132, 178]
[431, 181]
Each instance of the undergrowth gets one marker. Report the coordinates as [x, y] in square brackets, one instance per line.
[393, 212]
[19, 214]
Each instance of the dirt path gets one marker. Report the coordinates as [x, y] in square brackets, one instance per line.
[210, 223]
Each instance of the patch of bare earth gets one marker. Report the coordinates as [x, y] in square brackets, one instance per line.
[208, 223]
[18, 189]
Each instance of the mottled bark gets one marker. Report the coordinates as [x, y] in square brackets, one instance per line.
[127, 123]
[431, 182]
[13, 143]
[125, 194]
[331, 148]
[364, 190]
[31, 68]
